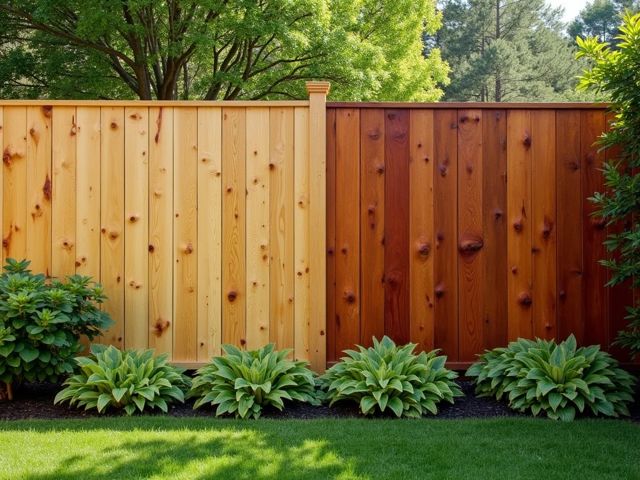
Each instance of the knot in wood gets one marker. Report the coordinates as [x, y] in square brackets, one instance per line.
[424, 248]
[188, 248]
[350, 297]
[232, 295]
[526, 141]
[547, 228]
[439, 290]
[524, 299]
[470, 244]
[517, 225]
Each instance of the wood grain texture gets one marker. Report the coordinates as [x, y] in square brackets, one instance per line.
[596, 318]
[543, 224]
[136, 227]
[14, 156]
[233, 226]
[445, 187]
[38, 188]
[257, 234]
[112, 176]
[185, 233]
[372, 222]
[519, 215]
[160, 247]
[209, 232]
[302, 236]
[331, 235]
[88, 192]
[570, 282]
[281, 217]
[396, 233]
[494, 208]
[470, 234]
[421, 229]
[347, 295]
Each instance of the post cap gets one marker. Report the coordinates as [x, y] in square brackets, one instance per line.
[318, 87]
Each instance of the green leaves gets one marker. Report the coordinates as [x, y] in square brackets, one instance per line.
[130, 380]
[557, 379]
[386, 376]
[41, 321]
[242, 383]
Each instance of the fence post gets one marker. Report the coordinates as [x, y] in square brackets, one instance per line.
[318, 227]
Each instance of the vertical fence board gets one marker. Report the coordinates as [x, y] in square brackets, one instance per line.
[543, 225]
[596, 327]
[494, 207]
[421, 229]
[2, 231]
[39, 188]
[160, 322]
[331, 235]
[14, 230]
[372, 221]
[347, 229]
[470, 233]
[136, 229]
[209, 232]
[112, 179]
[396, 233]
[257, 182]
[88, 192]
[519, 223]
[445, 187]
[281, 246]
[233, 225]
[569, 221]
[185, 233]
[302, 232]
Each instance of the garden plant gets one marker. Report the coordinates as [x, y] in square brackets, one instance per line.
[557, 380]
[41, 322]
[386, 376]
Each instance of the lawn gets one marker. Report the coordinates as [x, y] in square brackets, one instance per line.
[155, 447]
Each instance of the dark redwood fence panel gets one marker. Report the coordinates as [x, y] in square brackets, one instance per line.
[464, 226]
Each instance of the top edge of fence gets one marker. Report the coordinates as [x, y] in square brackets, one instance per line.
[474, 105]
[155, 103]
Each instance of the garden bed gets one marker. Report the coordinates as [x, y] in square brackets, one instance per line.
[36, 401]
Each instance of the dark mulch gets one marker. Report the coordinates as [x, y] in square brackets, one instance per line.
[36, 401]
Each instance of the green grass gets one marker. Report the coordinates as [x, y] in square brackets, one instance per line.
[175, 448]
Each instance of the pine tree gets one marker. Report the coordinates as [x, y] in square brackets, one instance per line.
[600, 18]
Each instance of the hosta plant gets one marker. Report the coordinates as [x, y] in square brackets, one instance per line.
[124, 380]
[242, 383]
[386, 376]
[557, 380]
[41, 321]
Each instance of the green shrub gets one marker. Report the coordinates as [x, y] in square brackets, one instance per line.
[243, 382]
[124, 380]
[386, 376]
[556, 379]
[41, 322]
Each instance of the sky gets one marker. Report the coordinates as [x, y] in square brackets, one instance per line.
[571, 7]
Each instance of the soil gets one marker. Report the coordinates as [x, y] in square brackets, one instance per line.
[36, 401]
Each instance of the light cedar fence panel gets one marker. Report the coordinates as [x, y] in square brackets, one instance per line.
[197, 217]
[515, 246]
[39, 187]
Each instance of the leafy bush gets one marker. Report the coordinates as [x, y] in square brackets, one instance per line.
[386, 376]
[124, 380]
[243, 382]
[41, 322]
[611, 73]
[557, 379]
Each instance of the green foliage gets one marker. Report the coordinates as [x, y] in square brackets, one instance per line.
[556, 379]
[614, 71]
[506, 51]
[243, 382]
[41, 322]
[213, 50]
[387, 376]
[600, 18]
[126, 380]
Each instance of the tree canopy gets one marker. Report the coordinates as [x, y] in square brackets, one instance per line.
[218, 49]
[600, 18]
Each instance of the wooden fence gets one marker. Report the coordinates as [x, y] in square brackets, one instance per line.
[203, 221]
[461, 226]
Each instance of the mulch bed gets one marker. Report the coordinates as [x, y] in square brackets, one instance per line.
[36, 401]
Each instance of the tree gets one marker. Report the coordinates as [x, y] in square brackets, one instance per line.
[614, 71]
[600, 18]
[218, 49]
[506, 50]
